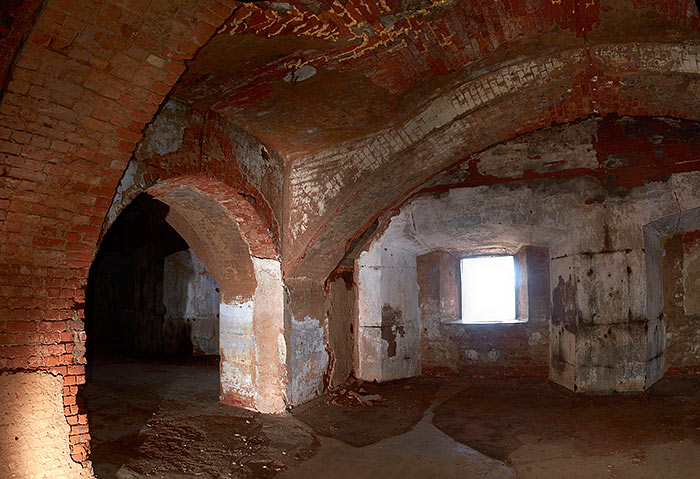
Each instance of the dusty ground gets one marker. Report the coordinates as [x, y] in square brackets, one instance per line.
[162, 419]
[343, 416]
[542, 431]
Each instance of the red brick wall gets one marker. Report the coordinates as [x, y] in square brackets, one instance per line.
[623, 82]
[89, 79]
[16, 20]
[395, 180]
[208, 156]
[91, 75]
[252, 227]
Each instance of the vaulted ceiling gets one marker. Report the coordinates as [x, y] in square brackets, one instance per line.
[304, 75]
[358, 103]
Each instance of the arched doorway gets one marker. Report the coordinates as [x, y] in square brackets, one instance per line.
[181, 315]
[149, 291]
[152, 322]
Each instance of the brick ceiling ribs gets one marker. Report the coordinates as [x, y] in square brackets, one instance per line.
[367, 100]
[305, 74]
[324, 115]
[363, 101]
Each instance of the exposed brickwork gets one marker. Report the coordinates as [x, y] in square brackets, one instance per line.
[626, 152]
[426, 145]
[253, 228]
[91, 75]
[499, 351]
[16, 20]
[207, 160]
[49, 336]
[429, 73]
[681, 371]
[400, 44]
[368, 58]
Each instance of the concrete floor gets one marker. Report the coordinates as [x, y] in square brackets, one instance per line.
[162, 419]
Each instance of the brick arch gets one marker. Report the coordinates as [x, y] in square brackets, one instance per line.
[225, 232]
[228, 235]
[88, 79]
[206, 161]
[252, 226]
[222, 228]
[379, 172]
[208, 150]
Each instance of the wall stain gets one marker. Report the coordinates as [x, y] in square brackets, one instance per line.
[564, 305]
[391, 324]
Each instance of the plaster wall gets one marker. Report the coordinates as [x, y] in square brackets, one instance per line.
[33, 429]
[237, 353]
[191, 300]
[452, 347]
[669, 347]
[252, 344]
[319, 325]
[389, 319]
[81, 92]
[184, 141]
[600, 339]
[306, 323]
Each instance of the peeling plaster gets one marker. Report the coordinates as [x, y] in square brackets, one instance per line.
[605, 335]
[132, 182]
[236, 349]
[166, 133]
[308, 359]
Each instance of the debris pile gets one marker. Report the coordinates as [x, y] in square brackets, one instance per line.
[352, 392]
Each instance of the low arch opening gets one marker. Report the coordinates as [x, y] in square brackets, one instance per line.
[181, 316]
[672, 248]
[152, 324]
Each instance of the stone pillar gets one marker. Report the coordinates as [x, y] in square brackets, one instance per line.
[306, 324]
[599, 323]
[388, 337]
[253, 348]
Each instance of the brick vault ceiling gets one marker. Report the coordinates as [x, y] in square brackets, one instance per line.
[372, 64]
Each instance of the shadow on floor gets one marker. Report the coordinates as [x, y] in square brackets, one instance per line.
[162, 419]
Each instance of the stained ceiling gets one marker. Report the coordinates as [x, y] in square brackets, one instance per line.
[306, 74]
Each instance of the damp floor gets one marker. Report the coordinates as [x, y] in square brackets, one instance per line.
[162, 419]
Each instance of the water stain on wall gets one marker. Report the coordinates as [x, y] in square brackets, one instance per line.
[564, 305]
[391, 324]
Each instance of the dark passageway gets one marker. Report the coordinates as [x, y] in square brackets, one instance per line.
[152, 326]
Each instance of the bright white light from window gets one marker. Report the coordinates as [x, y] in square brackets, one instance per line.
[488, 289]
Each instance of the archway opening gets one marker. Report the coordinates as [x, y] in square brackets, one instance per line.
[152, 323]
[672, 249]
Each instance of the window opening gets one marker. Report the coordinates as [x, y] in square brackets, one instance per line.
[488, 289]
